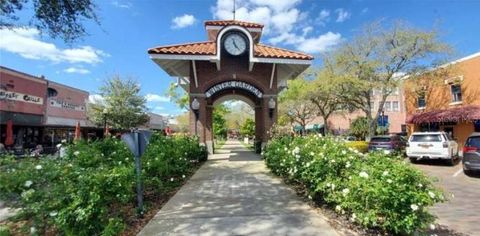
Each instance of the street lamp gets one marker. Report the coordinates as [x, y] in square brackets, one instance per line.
[271, 107]
[195, 107]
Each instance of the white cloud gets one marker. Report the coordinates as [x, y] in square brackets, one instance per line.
[343, 15]
[277, 16]
[321, 43]
[122, 4]
[306, 30]
[156, 98]
[26, 43]
[96, 99]
[323, 17]
[77, 70]
[183, 21]
[157, 108]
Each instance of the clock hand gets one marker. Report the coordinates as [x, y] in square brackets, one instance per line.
[234, 44]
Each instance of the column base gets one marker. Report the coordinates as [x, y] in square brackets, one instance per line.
[209, 145]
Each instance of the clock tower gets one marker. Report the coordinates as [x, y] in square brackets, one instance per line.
[231, 64]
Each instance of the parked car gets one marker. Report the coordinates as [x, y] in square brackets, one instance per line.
[471, 154]
[387, 143]
[432, 145]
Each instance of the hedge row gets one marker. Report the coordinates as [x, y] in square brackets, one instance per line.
[91, 191]
[373, 190]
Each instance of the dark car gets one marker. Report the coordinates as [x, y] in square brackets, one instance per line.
[388, 143]
[471, 153]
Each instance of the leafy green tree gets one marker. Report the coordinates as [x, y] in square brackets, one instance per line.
[375, 60]
[360, 127]
[122, 105]
[219, 122]
[178, 95]
[59, 18]
[248, 128]
[323, 93]
[294, 105]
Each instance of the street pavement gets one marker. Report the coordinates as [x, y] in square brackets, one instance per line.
[462, 212]
[5, 212]
[233, 193]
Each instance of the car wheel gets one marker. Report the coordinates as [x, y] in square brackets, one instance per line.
[413, 160]
[467, 172]
[451, 161]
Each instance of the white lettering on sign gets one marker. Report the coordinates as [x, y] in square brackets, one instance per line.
[66, 105]
[14, 96]
[233, 85]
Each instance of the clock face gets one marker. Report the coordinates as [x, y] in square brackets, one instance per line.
[235, 44]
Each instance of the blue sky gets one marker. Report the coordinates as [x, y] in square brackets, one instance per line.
[128, 28]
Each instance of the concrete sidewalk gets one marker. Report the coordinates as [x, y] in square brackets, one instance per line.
[234, 194]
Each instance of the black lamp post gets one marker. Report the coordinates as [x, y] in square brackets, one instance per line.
[195, 107]
[271, 107]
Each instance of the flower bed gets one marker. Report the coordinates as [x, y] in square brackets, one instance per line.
[91, 191]
[374, 190]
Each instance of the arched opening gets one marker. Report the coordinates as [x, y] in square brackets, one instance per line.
[233, 118]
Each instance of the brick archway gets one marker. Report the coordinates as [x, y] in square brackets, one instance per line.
[204, 70]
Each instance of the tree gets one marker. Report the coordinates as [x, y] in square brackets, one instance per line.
[178, 96]
[376, 59]
[59, 18]
[294, 104]
[359, 127]
[248, 128]
[219, 123]
[182, 122]
[323, 92]
[122, 105]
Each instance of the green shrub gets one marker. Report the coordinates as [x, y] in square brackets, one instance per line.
[375, 190]
[81, 193]
[361, 146]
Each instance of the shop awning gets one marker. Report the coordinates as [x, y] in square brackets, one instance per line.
[457, 114]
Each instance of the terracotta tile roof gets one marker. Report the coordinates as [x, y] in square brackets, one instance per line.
[209, 48]
[233, 22]
[273, 52]
[201, 48]
[458, 114]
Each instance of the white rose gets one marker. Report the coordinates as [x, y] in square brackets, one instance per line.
[414, 207]
[53, 213]
[385, 173]
[345, 191]
[432, 195]
[171, 179]
[344, 152]
[389, 181]
[338, 208]
[76, 153]
[183, 176]
[364, 174]
[38, 167]
[28, 183]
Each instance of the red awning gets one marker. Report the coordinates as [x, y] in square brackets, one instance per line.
[458, 114]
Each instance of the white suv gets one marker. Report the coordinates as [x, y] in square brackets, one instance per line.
[432, 145]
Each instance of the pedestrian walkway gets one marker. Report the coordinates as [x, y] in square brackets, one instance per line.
[233, 193]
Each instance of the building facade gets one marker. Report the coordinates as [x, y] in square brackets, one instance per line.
[40, 111]
[446, 99]
[394, 111]
[23, 102]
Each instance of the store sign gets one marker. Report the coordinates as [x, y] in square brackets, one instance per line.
[233, 85]
[66, 105]
[14, 96]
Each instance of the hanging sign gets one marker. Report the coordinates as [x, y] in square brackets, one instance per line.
[233, 85]
[11, 95]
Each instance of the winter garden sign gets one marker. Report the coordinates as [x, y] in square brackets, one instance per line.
[233, 85]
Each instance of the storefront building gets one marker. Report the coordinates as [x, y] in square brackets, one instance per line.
[22, 104]
[393, 109]
[446, 99]
[66, 106]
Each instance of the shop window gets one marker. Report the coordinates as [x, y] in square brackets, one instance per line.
[456, 92]
[387, 106]
[477, 125]
[395, 106]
